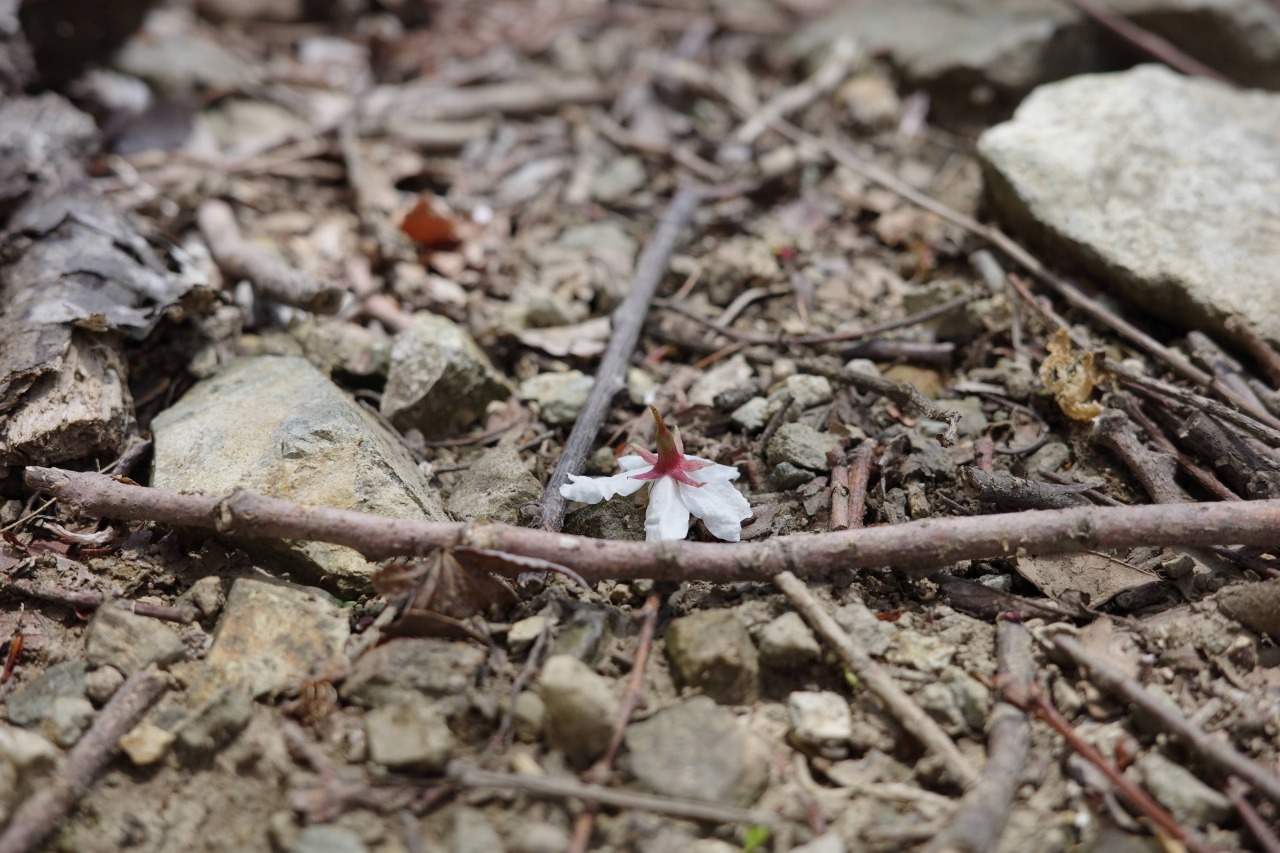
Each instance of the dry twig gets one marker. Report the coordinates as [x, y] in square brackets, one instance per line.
[48, 807]
[1150, 43]
[87, 600]
[916, 547]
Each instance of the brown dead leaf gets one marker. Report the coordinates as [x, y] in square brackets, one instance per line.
[429, 228]
[445, 594]
[1100, 576]
[1071, 378]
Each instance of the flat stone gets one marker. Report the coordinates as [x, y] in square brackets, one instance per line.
[802, 446]
[787, 643]
[1158, 184]
[146, 743]
[920, 651]
[828, 843]
[25, 759]
[327, 839]
[409, 735]
[784, 477]
[68, 717]
[279, 427]
[728, 375]
[530, 717]
[581, 709]
[616, 519]
[958, 701]
[523, 634]
[620, 178]
[494, 488]
[439, 381]
[1181, 792]
[102, 683]
[698, 750]
[273, 633]
[473, 833]
[806, 391]
[212, 725]
[206, 595]
[559, 396]
[30, 704]
[130, 642]
[751, 415]
[438, 669]
[821, 721]
[712, 651]
[864, 628]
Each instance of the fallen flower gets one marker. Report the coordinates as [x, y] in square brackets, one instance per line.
[681, 485]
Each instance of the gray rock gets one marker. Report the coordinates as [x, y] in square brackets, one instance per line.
[530, 717]
[1052, 457]
[146, 743]
[806, 391]
[619, 178]
[327, 839]
[1154, 182]
[523, 634]
[802, 446]
[102, 683]
[33, 702]
[828, 843]
[439, 669]
[728, 375]
[439, 381]
[25, 758]
[821, 721]
[409, 735]
[751, 415]
[130, 642]
[540, 838]
[494, 488]
[787, 643]
[273, 633]
[582, 632]
[213, 725]
[616, 519]
[279, 427]
[864, 628]
[68, 717]
[712, 651]
[559, 396]
[473, 833]
[786, 477]
[919, 651]
[206, 595]
[698, 750]
[975, 57]
[973, 420]
[581, 709]
[1177, 789]
[958, 701]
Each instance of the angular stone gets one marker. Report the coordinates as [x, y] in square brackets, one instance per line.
[730, 374]
[581, 709]
[409, 735]
[213, 725]
[439, 381]
[802, 446]
[327, 839]
[1177, 788]
[711, 650]
[279, 427]
[698, 750]
[68, 717]
[146, 743]
[821, 721]
[102, 683]
[1154, 182]
[787, 643]
[439, 669]
[616, 519]
[130, 642]
[25, 758]
[559, 396]
[30, 704]
[750, 415]
[494, 488]
[274, 633]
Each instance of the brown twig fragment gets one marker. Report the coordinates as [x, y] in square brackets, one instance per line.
[917, 548]
[1004, 489]
[1149, 43]
[905, 395]
[984, 809]
[549, 786]
[1154, 470]
[839, 497]
[1267, 840]
[628, 321]
[48, 807]
[1033, 701]
[878, 681]
[84, 600]
[600, 772]
[1214, 751]
[1256, 345]
[270, 276]
[860, 464]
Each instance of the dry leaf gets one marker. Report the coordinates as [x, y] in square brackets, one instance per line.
[1071, 378]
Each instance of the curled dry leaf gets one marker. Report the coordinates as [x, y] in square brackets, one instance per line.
[1071, 378]
[444, 594]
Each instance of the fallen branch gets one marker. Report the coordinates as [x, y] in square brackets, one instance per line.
[49, 806]
[1214, 751]
[549, 786]
[88, 600]
[917, 547]
[878, 681]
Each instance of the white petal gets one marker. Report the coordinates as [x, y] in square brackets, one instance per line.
[719, 505]
[592, 490]
[713, 472]
[632, 462]
[667, 517]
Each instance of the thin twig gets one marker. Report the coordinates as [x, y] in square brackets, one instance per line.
[878, 681]
[628, 321]
[1114, 430]
[80, 600]
[1214, 751]
[1254, 344]
[550, 786]
[904, 394]
[860, 463]
[984, 810]
[1149, 43]
[1263, 834]
[45, 810]
[600, 772]
[917, 547]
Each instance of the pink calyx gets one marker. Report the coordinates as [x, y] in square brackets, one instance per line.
[670, 460]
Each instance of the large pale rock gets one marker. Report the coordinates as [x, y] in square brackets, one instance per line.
[1165, 187]
[277, 426]
[439, 381]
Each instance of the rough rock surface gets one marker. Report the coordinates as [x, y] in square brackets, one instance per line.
[494, 488]
[130, 642]
[1165, 187]
[439, 381]
[581, 709]
[279, 427]
[711, 650]
[409, 735]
